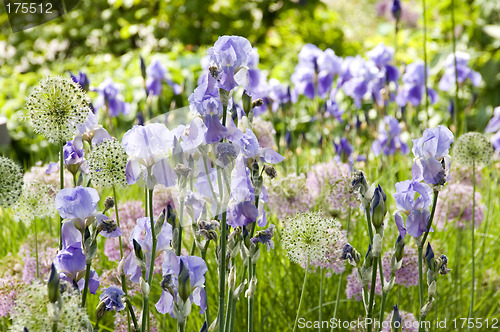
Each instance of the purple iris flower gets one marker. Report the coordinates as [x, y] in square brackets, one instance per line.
[494, 124]
[463, 71]
[495, 141]
[91, 131]
[142, 235]
[73, 156]
[279, 93]
[71, 264]
[112, 297]
[265, 237]
[183, 278]
[413, 89]
[329, 66]
[109, 97]
[205, 102]
[250, 148]
[231, 54]
[256, 78]
[79, 207]
[359, 77]
[81, 79]
[389, 140]
[382, 56]
[149, 149]
[432, 160]
[413, 200]
[343, 149]
[157, 74]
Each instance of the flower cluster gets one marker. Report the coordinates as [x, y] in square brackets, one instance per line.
[11, 182]
[107, 162]
[56, 107]
[35, 202]
[289, 195]
[462, 70]
[389, 138]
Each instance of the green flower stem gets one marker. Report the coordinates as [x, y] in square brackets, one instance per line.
[458, 127]
[384, 293]
[129, 305]
[145, 306]
[251, 268]
[372, 294]
[207, 311]
[471, 307]
[36, 250]
[179, 240]
[301, 295]
[420, 258]
[233, 315]
[181, 326]
[424, 15]
[61, 179]
[322, 272]
[145, 318]
[222, 271]
[337, 298]
[115, 198]
[86, 287]
[230, 302]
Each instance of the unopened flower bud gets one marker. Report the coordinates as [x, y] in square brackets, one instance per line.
[251, 287]
[143, 67]
[144, 287]
[351, 254]
[429, 257]
[232, 277]
[184, 283]
[167, 283]
[247, 102]
[396, 319]
[378, 208]
[270, 171]
[171, 216]
[53, 285]
[257, 103]
[100, 310]
[109, 203]
[399, 248]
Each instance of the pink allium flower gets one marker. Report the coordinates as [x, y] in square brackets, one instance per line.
[407, 275]
[265, 132]
[329, 184]
[38, 174]
[408, 322]
[47, 251]
[289, 195]
[9, 288]
[454, 206]
[354, 290]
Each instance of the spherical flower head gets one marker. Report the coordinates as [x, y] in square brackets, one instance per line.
[11, 182]
[289, 195]
[107, 162]
[473, 148]
[307, 236]
[34, 312]
[35, 201]
[265, 132]
[454, 207]
[56, 107]
[9, 287]
[406, 275]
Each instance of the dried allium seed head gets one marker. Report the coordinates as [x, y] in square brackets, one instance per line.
[56, 106]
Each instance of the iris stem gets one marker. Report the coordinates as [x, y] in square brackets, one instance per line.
[181, 217]
[181, 326]
[424, 17]
[36, 250]
[372, 293]
[322, 272]
[145, 317]
[86, 287]
[471, 307]
[369, 224]
[129, 305]
[61, 179]
[337, 299]
[301, 296]
[222, 272]
[458, 127]
[207, 311]
[384, 293]
[420, 258]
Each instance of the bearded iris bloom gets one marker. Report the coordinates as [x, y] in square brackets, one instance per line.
[149, 149]
[109, 97]
[157, 74]
[389, 140]
[71, 264]
[413, 200]
[463, 71]
[183, 279]
[432, 159]
[413, 89]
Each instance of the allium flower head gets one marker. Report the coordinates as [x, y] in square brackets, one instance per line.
[35, 201]
[289, 195]
[107, 162]
[56, 107]
[306, 237]
[454, 206]
[473, 148]
[34, 312]
[11, 182]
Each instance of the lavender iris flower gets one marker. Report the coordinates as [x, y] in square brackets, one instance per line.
[112, 297]
[389, 140]
[157, 74]
[183, 278]
[413, 200]
[494, 124]
[279, 93]
[413, 89]
[142, 235]
[265, 237]
[241, 206]
[328, 67]
[250, 148]
[359, 77]
[71, 264]
[73, 157]
[343, 149]
[382, 56]
[82, 79]
[79, 207]
[231, 54]
[149, 149]
[463, 71]
[91, 131]
[205, 102]
[109, 96]
[432, 160]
